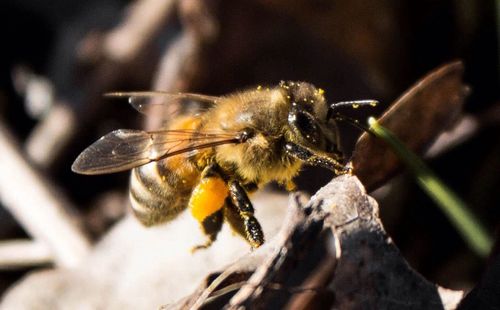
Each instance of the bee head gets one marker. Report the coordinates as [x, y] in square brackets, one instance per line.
[308, 117]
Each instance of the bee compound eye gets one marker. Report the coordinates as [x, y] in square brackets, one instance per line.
[306, 125]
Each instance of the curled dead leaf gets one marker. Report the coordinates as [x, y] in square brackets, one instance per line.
[417, 118]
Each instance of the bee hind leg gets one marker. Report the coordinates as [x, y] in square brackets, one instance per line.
[206, 203]
[210, 226]
[239, 214]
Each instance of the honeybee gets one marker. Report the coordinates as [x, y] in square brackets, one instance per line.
[209, 159]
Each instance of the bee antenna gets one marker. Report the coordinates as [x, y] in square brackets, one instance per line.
[351, 121]
[354, 104]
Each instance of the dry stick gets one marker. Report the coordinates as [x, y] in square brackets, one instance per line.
[207, 292]
[465, 129]
[16, 254]
[172, 74]
[238, 272]
[182, 61]
[31, 199]
[145, 18]
[468, 126]
[119, 48]
[49, 137]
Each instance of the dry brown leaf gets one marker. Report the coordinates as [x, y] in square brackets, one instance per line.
[416, 118]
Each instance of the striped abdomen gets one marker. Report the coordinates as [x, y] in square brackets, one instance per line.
[159, 191]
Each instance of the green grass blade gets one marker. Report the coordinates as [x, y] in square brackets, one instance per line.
[455, 209]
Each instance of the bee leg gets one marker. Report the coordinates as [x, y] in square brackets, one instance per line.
[239, 213]
[206, 203]
[210, 226]
[311, 158]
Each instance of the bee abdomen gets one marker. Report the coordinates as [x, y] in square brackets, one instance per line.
[157, 195]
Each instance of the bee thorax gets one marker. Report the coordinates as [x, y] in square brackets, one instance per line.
[259, 160]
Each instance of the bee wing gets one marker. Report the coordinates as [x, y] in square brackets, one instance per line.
[163, 103]
[125, 149]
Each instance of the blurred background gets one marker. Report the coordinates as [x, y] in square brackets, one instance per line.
[59, 57]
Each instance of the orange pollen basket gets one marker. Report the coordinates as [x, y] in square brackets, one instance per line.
[208, 197]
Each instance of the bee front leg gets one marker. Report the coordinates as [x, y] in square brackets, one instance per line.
[314, 159]
[239, 213]
[206, 203]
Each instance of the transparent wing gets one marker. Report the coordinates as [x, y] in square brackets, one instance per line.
[125, 149]
[168, 104]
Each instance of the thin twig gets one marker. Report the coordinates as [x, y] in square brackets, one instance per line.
[180, 65]
[119, 51]
[16, 254]
[466, 128]
[143, 22]
[49, 137]
[41, 211]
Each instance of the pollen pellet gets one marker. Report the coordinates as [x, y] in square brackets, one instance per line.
[208, 197]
